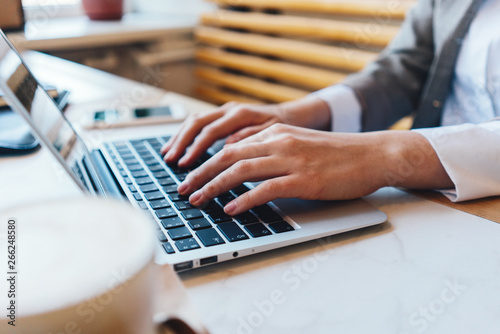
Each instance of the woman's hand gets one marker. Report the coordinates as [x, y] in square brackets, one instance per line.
[239, 121]
[309, 164]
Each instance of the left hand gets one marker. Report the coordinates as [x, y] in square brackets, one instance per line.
[293, 162]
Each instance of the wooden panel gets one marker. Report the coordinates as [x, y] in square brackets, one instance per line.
[304, 76]
[488, 208]
[386, 9]
[330, 56]
[251, 86]
[363, 34]
[404, 123]
[220, 96]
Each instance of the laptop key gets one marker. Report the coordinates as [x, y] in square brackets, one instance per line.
[143, 180]
[225, 198]
[187, 244]
[119, 144]
[257, 230]
[126, 156]
[168, 248]
[127, 181]
[137, 142]
[173, 222]
[166, 181]
[191, 214]
[199, 223]
[160, 174]
[175, 196]
[150, 161]
[267, 214]
[211, 206]
[218, 217]
[246, 218]
[142, 150]
[130, 161]
[183, 205]
[156, 168]
[147, 188]
[132, 189]
[146, 156]
[170, 188]
[181, 177]
[137, 197]
[153, 195]
[232, 231]
[135, 167]
[240, 190]
[210, 237]
[159, 204]
[142, 205]
[179, 233]
[139, 173]
[165, 213]
[281, 227]
[161, 236]
[153, 141]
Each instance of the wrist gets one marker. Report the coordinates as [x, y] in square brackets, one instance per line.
[309, 112]
[410, 161]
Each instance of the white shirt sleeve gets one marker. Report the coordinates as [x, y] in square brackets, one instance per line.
[344, 107]
[470, 154]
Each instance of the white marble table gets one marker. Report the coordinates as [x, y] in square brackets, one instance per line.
[429, 269]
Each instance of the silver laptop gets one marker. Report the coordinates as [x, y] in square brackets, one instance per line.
[133, 170]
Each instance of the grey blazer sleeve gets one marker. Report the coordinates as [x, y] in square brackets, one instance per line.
[390, 88]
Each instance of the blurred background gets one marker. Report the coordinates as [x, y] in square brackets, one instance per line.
[218, 50]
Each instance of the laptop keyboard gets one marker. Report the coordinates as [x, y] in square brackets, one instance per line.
[180, 226]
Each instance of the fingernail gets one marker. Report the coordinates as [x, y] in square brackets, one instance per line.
[182, 161]
[169, 155]
[230, 208]
[195, 198]
[183, 188]
[164, 149]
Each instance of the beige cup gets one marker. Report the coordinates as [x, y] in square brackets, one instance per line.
[83, 266]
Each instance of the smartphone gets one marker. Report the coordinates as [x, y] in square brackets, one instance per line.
[112, 118]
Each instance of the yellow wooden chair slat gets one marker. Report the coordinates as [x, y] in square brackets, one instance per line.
[250, 86]
[330, 56]
[303, 76]
[219, 96]
[360, 34]
[384, 9]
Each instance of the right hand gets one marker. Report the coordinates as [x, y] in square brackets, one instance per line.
[239, 121]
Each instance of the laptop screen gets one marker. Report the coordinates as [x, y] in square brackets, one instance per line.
[27, 97]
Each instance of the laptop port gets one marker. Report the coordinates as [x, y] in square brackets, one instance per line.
[208, 260]
[183, 266]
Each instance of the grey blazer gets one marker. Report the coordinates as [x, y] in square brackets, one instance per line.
[414, 73]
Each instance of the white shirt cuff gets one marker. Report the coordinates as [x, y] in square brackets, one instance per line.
[344, 107]
[470, 154]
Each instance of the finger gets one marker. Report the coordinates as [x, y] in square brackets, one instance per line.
[220, 128]
[245, 170]
[247, 132]
[188, 132]
[217, 164]
[280, 187]
[164, 149]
